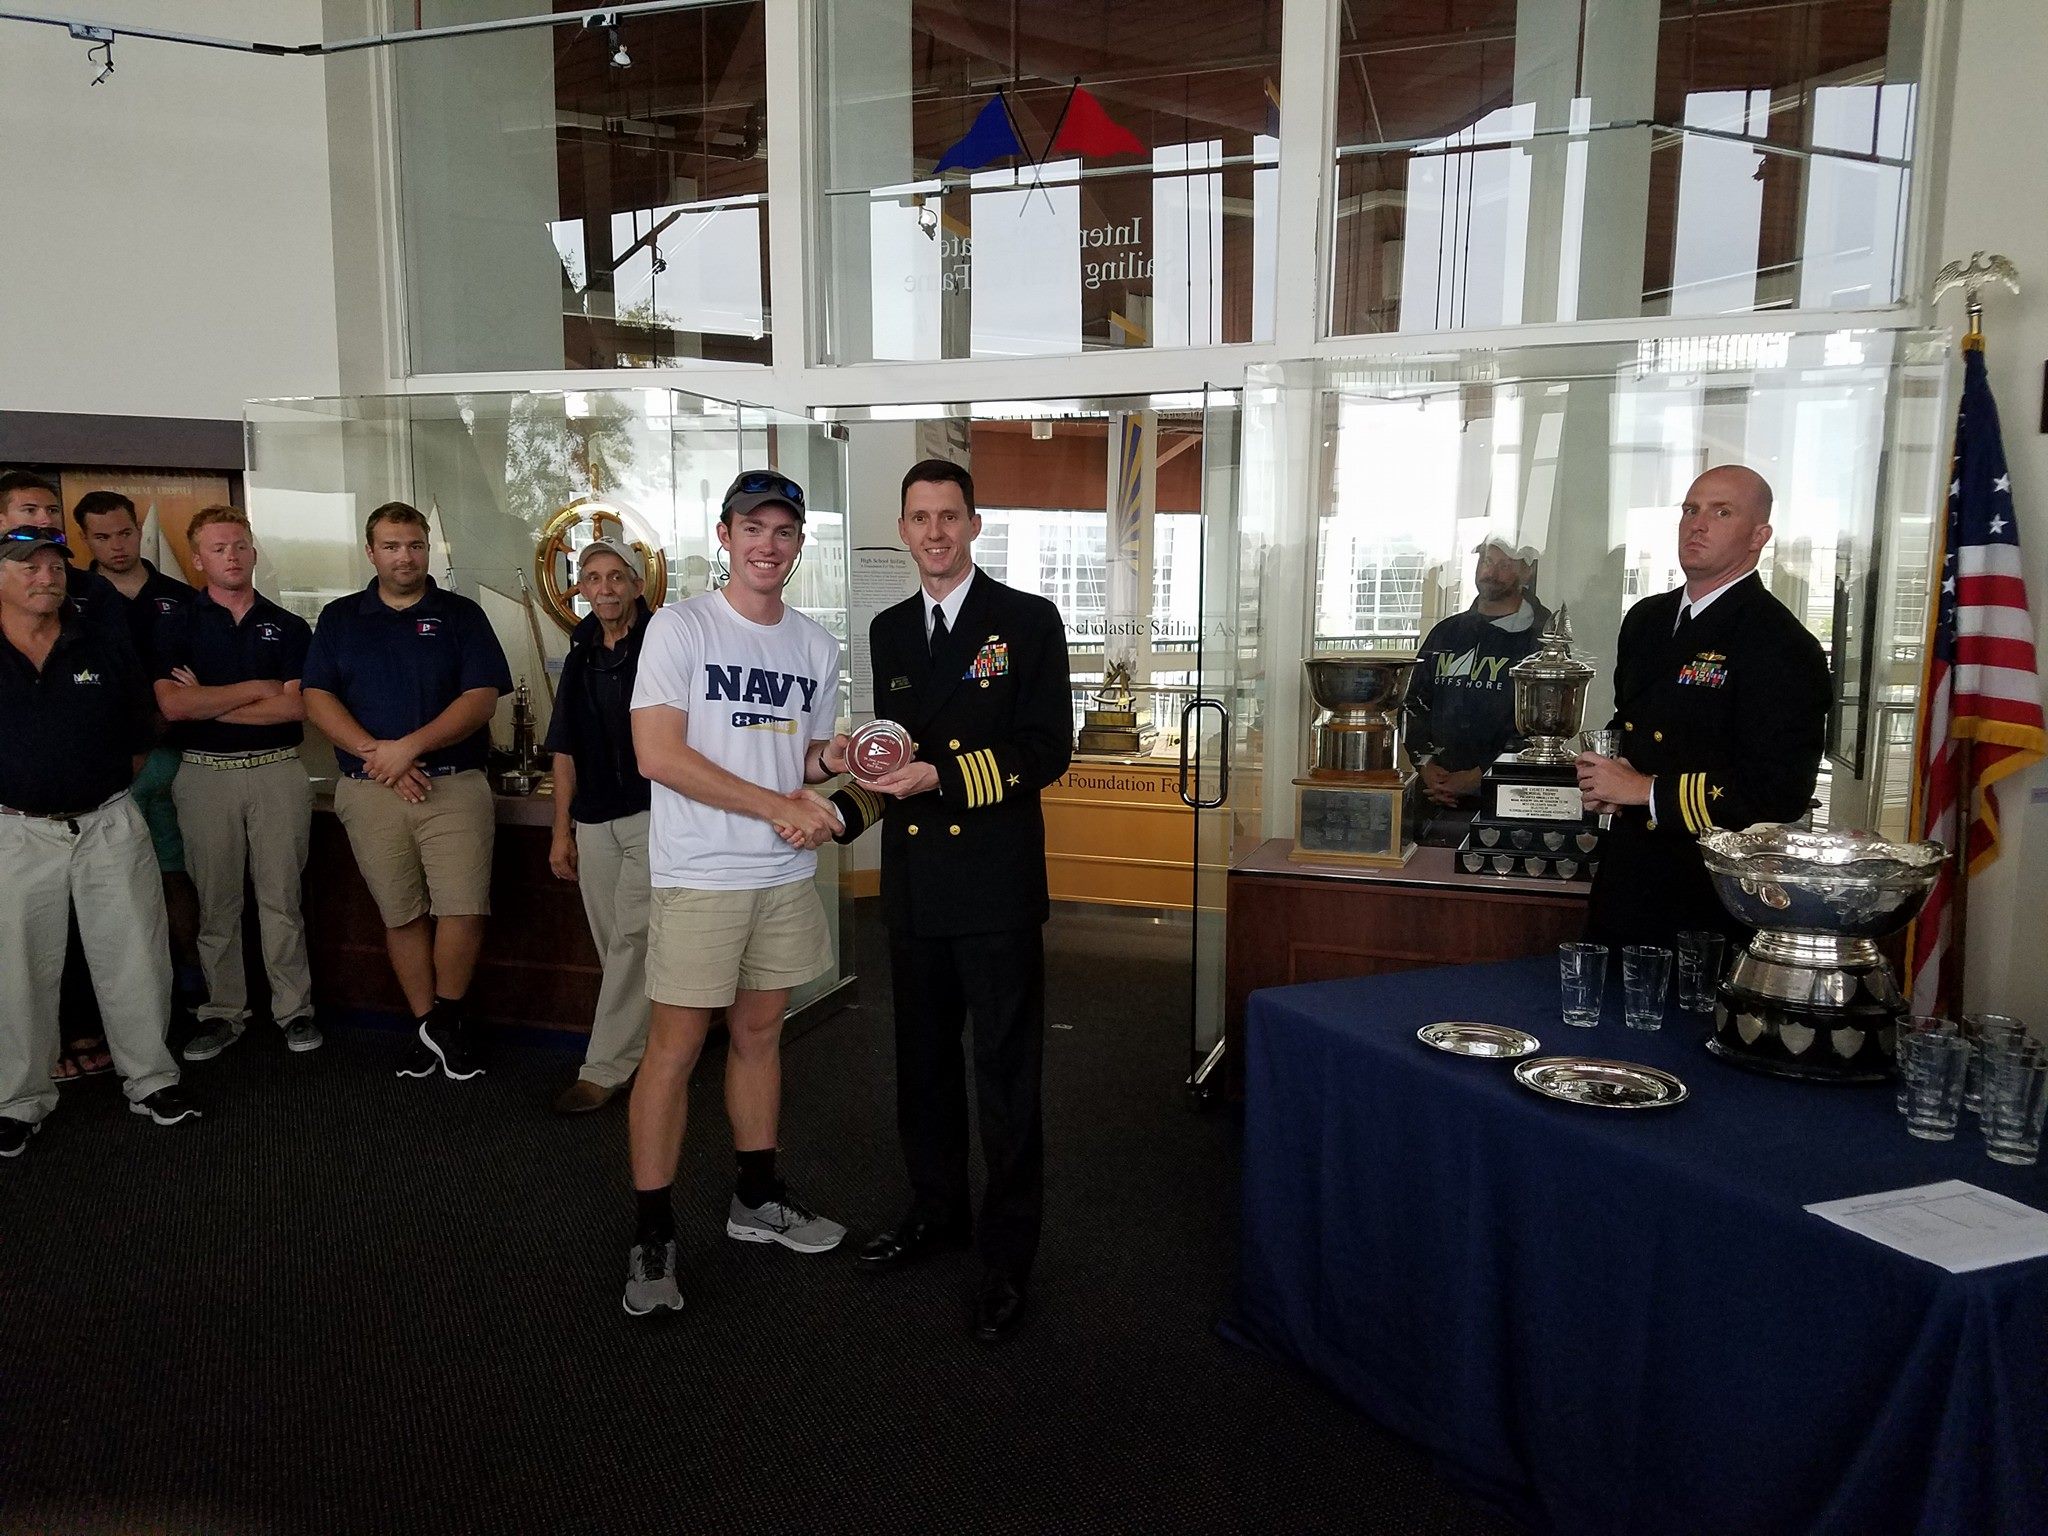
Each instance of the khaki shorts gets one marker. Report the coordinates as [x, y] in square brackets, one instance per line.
[703, 947]
[432, 857]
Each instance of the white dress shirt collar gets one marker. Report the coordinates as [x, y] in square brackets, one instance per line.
[1698, 605]
[951, 603]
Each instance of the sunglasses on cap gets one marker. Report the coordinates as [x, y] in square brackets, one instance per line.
[765, 482]
[24, 535]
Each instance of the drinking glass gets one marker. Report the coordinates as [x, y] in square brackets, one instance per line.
[1645, 975]
[1582, 974]
[1934, 1085]
[2015, 1091]
[1982, 1030]
[1699, 968]
[1902, 1051]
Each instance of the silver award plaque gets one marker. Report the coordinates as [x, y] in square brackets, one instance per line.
[877, 749]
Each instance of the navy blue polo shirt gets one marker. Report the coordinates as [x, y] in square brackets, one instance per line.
[70, 733]
[395, 669]
[206, 639]
[97, 601]
[593, 721]
[160, 597]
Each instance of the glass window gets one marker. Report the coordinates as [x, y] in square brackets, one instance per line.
[1008, 181]
[561, 209]
[1495, 166]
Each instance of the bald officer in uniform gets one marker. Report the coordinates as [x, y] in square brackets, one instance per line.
[1721, 696]
[977, 673]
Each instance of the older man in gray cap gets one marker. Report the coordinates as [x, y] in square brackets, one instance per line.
[1461, 705]
[601, 810]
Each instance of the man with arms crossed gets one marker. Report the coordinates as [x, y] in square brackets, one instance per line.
[111, 536]
[228, 666]
[403, 678]
[75, 722]
[601, 811]
[977, 673]
[733, 715]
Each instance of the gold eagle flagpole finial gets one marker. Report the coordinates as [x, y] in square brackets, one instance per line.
[1973, 276]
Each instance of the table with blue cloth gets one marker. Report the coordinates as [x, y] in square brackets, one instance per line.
[1623, 1321]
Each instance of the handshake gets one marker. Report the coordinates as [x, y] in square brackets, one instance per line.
[810, 822]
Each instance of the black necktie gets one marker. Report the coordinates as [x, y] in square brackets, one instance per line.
[938, 629]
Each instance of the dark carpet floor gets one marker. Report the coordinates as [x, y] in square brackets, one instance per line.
[350, 1303]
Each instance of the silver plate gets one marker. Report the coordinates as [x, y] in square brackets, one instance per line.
[1463, 1038]
[1603, 1084]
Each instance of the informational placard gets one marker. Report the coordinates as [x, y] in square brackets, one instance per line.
[1541, 802]
[882, 576]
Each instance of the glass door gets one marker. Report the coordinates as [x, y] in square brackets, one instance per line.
[1214, 761]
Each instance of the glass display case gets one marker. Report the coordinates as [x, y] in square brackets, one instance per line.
[513, 485]
[1365, 485]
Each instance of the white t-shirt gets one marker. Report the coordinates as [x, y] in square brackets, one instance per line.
[757, 696]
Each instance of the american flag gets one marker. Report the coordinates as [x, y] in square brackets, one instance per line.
[1980, 680]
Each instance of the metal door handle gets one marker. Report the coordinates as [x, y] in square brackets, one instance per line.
[1187, 740]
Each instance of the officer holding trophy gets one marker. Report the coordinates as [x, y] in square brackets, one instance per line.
[1721, 698]
[974, 716]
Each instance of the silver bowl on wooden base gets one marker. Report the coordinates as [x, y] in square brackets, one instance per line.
[1357, 730]
[1811, 996]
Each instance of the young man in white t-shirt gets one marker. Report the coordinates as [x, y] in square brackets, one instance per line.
[733, 714]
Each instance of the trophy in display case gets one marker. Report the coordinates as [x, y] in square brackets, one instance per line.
[1110, 724]
[1357, 803]
[522, 775]
[1811, 996]
[1532, 818]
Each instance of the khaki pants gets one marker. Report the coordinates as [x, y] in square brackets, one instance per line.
[261, 819]
[107, 869]
[611, 871]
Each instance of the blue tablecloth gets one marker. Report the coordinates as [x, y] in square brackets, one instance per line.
[1625, 1322]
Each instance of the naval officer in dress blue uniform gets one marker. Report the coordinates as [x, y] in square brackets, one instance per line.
[977, 673]
[1721, 696]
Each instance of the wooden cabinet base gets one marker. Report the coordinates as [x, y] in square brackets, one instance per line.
[1288, 922]
[539, 967]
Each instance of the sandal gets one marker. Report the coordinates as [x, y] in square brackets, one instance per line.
[66, 1070]
[90, 1056]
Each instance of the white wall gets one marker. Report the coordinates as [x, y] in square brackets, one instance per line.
[168, 243]
[1994, 201]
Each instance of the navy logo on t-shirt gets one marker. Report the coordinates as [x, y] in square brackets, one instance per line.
[760, 687]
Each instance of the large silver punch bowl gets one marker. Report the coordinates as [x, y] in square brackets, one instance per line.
[1849, 885]
[1368, 682]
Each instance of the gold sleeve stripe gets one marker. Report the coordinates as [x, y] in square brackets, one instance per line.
[867, 802]
[994, 772]
[1695, 806]
[977, 791]
[1685, 803]
[1706, 806]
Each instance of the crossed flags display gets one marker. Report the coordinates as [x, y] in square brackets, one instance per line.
[1083, 128]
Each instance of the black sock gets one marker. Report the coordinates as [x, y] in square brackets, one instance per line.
[757, 1182]
[656, 1221]
[447, 1009]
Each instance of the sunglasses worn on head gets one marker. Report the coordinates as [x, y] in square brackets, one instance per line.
[764, 480]
[24, 535]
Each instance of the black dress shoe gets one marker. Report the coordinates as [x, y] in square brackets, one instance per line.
[998, 1309]
[911, 1238]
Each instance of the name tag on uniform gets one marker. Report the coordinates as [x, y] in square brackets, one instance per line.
[1709, 669]
[992, 660]
[898, 684]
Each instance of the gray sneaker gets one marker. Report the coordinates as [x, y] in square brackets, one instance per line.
[209, 1043]
[302, 1034]
[651, 1280]
[783, 1220]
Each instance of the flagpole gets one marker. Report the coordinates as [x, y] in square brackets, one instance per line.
[1038, 164]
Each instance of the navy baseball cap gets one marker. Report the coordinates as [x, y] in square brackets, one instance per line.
[762, 488]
